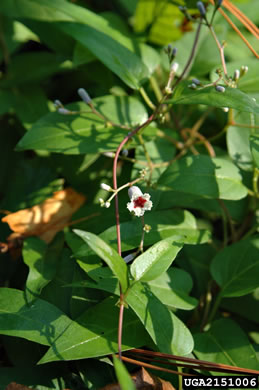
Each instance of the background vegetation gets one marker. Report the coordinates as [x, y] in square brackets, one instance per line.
[200, 147]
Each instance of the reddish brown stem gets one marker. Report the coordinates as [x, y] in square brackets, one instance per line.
[115, 164]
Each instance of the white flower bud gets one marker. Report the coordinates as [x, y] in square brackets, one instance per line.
[84, 95]
[134, 192]
[107, 204]
[63, 111]
[57, 103]
[220, 88]
[101, 201]
[244, 69]
[174, 67]
[225, 109]
[196, 81]
[105, 187]
[192, 86]
[236, 74]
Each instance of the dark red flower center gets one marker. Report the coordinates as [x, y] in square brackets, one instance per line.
[139, 202]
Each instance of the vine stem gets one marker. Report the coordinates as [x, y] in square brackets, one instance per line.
[196, 39]
[120, 325]
[221, 50]
[115, 164]
[115, 187]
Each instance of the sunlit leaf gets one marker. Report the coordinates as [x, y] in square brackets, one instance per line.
[204, 176]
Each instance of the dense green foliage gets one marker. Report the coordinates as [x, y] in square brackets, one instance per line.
[192, 286]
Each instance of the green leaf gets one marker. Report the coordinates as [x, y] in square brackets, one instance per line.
[232, 98]
[29, 104]
[40, 377]
[6, 99]
[94, 333]
[40, 322]
[245, 306]
[82, 55]
[166, 330]
[159, 150]
[52, 37]
[172, 288]
[156, 260]
[236, 268]
[93, 31]
[33, 66]
[15, 34]
[118, 58]
[226, 343]
[196, 259]
[108, 254]
[85, 133]
[123, 376]
[42, 261]
[164, 223]
[22, 190]
[204, 176]
[156, 17]
[254, 144]
[238, 141]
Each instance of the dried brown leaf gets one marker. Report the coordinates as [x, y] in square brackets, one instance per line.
[144, 381]
[47, 218]
[16, 386]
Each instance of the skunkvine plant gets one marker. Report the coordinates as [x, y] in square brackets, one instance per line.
[181, 139]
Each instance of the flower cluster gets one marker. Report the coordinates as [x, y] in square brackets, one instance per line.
[139, 202]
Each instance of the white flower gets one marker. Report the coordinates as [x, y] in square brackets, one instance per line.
[105, 187]
[139, 202]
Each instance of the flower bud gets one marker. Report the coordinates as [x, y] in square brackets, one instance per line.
[147, 228]
[169, 48]
[192, 86]
[244, 70]
[196, 81]
[134, 191]
[107, 204]
[105, 187]
[236, 75]
[63, 111]
[174, 67]
[218, 3]
[101, 201]
[84, 95]
[174, 51]
[225, 109]
[57, 103]
[220, 88]
[201, 8]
